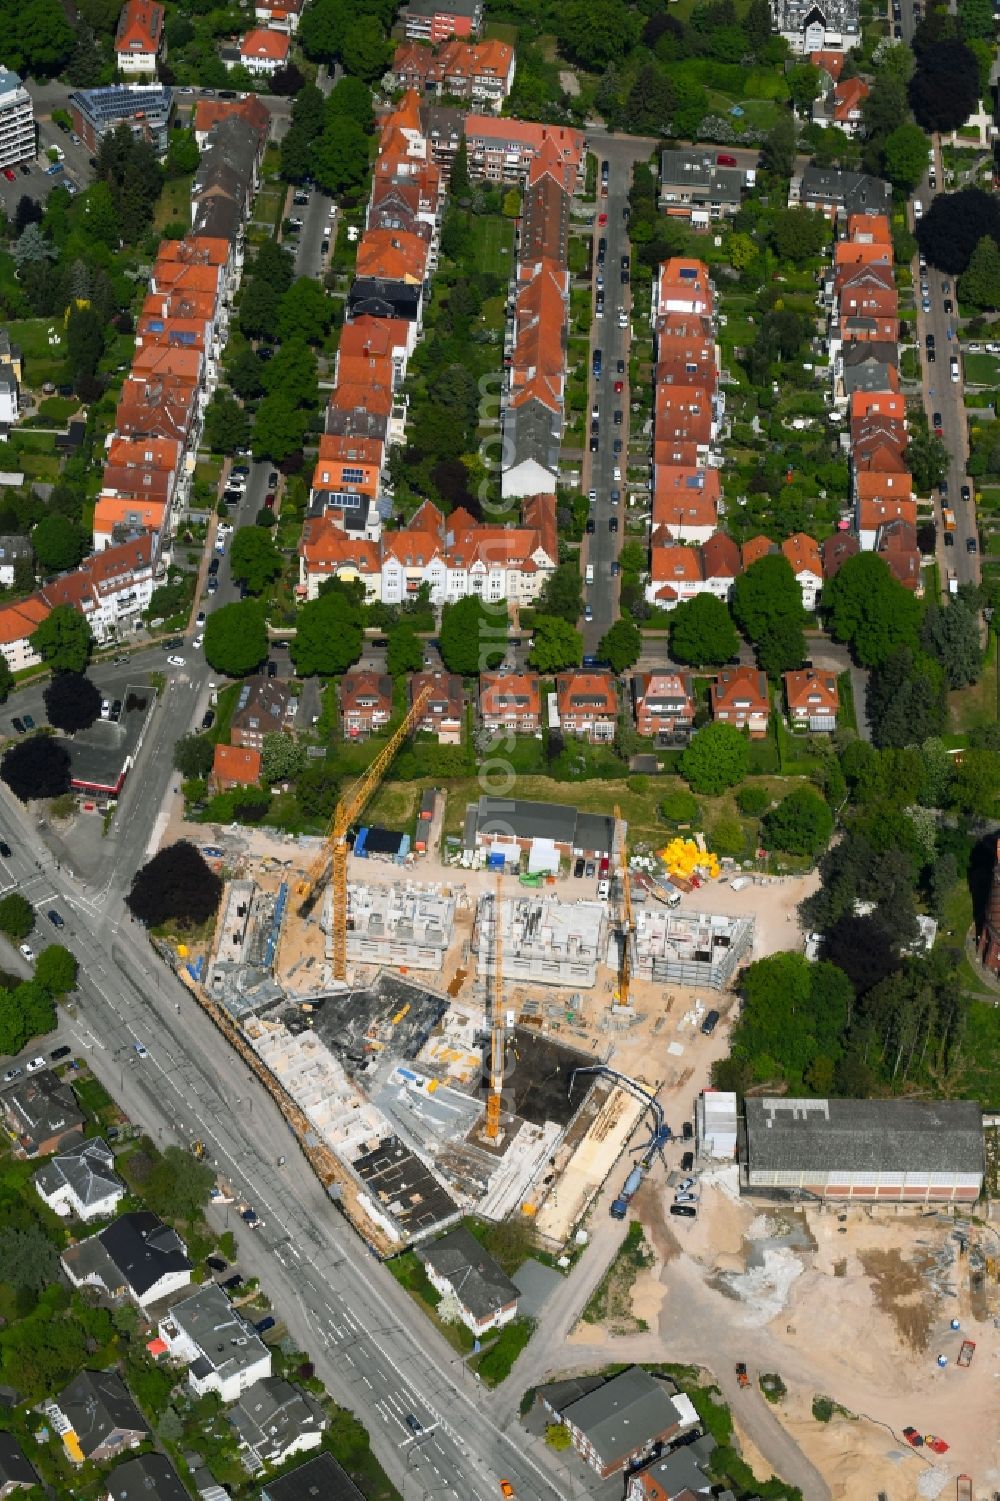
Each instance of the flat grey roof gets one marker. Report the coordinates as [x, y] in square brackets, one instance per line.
[891, 1136]
[521, 819]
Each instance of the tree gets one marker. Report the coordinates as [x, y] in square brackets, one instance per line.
[951, 636]
[767, 606]
[365, 50]
[37, 767]
[804, 86]
[405, 652]
[792, 1012]
[702, 632]
[976, 19]
[279, 428]
[905, 156]
[316, 790]
[29, 1259]
[680, 807]
[596, 32]
[328, 636]
[801, 824]
[177, 885]
[621, 645]
[63, 640]
[650, 103]
[867, 608]
[32, 248]
[944, 89]
[246, 374]
[259, 303]
[556, 645]
[980, 282]
[928, 460]
[292, 374]
[194, 756]
[741, 250]
[321, 33]
[254, 559]
[236, 638]
[976, 783]
[778, 153]
[798, 233]
[473, 637]
[178, 1186]
[563, 593]
[84, 342]
[862, 948]
[282, 757]
[227, 425]
[305, 312]
[717, 758]
[28, 211]
[349, 96]
[183, 155]
[38, 39]
[72, 702]
[17, 918]
[56, 970]
[59, 544]
[905, 700]
[953, 226]
[340, 156]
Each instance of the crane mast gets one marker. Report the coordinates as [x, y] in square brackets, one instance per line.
[333, 854]
[625, 923]
[496, 1022]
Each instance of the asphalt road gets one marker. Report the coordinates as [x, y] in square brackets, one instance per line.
[947, 396]
[319, 222]
[374, 1354]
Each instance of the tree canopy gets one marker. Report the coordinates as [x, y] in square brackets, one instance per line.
[176, 885]
[869, 609]
[717, 758]
[801, 824]
[328, 636]
[767, 606]
[405, 652]
[63, 640]
[702, 632]
[25, 1012]
[253, 558]
[621, 645]
[954, 224]
[72, 702]
[473, 637]
[59, 544]
[556, 645]
[194, 755]
[979, 285]
[56, 969]
[794, 1014]
[944, 89]
[36, 767]
[17, 916]
[236, 638]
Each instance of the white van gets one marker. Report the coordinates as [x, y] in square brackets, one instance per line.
[739, 883]
[603, 890]
[954, 369]
[590, 573]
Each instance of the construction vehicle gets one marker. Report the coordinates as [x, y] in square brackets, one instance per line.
[967, 1351]
[659, 1135]
[497, 1033]
[963, 1487]
[741, 1373]
[624, 924]
[334, 851]
[198, 1148]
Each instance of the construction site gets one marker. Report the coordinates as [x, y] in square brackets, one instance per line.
[424, 1037]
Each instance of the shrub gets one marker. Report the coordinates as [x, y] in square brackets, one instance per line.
[753, 801]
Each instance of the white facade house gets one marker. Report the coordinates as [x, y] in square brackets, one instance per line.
[137, 1257]
[222, 1352]
[81, 1182]
[459, 1267]
[17, 120]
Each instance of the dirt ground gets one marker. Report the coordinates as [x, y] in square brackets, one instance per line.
[843, 1303]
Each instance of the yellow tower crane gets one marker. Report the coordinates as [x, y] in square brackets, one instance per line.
[334, 851]
[625, 923]
[497, 1037]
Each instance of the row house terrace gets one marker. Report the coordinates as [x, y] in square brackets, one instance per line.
[481, 73]
[534, 387]
[663, 704]
[437, 20]
[365, 703]
[502, 150]
[587, 705]
[444, 714]
[346, 484]
[679, 573]
[511, 701]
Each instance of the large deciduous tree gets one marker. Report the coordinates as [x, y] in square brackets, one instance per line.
[869, 609]
[944, 89]
[951, 636]
[906, 699]
[56, 969]
[236, 638]
[621, 645]
[980, 282]
[254, 559]
[473, 637]
[953, 226]
[72, 702]
[702, 632]
[767, 606]
[177, 885]
[556, 645]
[801, 824]
[37, 767]
[717, 758]
[328, 635]
[59, 543]
[63, 640]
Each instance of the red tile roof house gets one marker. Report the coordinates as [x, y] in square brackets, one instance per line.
[235, 767]
[740, 698]
[664, 702]
[588, 705]
[806, 563]
[264, 52]
[444, 715]
[365, 703]
[511, 701]
[812, 699]
[139, 38]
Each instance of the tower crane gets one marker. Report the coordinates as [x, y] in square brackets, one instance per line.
[625, 923]
[497, 1037]
[333, 853]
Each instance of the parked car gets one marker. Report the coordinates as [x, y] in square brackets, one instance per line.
[175, 662]
[686, 1211]
[263, 1325]
[971, 545]
[35, 1064]
[687, 1162]
[966, 493]
[686, 1199]
[18, 724]
[687, 1131]
[141, 1049]
[216, 1263]
[12, 1073]
[208, 719]
[26, 952]
[710, 1023]
[5, 849]
[723, 159]
[58, 1053]
[683, 1186]
[54, 918]
[578, 868]
[29, 723]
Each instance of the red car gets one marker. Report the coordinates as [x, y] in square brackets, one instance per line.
[269, 502]
[725, 160]
[619, 386]
[10, 174]
[602, 218]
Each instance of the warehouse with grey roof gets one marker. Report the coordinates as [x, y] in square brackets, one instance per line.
[875, 1151]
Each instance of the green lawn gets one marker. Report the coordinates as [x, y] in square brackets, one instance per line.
[493, 244]
[57, 410]
[969, 707]
[174, 206]
[981, 370]
[42, 361]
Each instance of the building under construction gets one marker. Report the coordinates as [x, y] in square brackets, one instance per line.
[401, 925]
[690, 948]
[545, 941]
